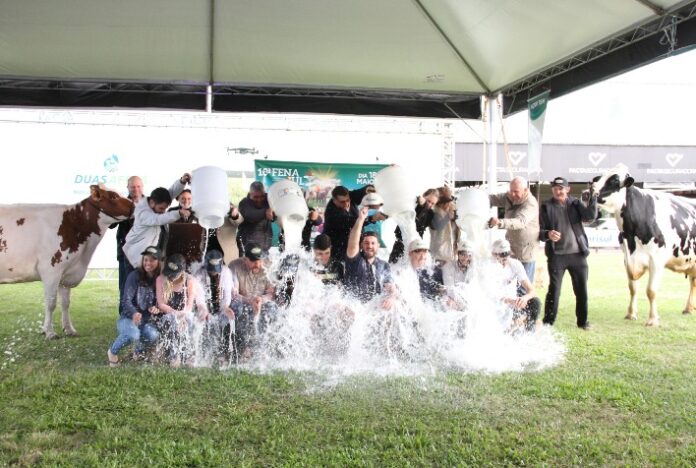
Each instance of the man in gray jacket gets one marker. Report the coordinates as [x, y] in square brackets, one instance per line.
[521, 220]
[149, 216]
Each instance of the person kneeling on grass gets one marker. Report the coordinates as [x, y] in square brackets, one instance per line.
[518, 292]
[253, 305]
[176, 295]
[219, 288]
[138, 308]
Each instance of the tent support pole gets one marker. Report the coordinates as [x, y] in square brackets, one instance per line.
[211, 60]
[492, 160]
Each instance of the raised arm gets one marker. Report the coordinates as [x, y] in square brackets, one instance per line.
[354, 237]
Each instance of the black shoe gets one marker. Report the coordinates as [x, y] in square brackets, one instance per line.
[587, 326]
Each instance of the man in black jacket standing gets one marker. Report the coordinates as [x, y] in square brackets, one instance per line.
[135, 193]
[566, 248]
[340, 215]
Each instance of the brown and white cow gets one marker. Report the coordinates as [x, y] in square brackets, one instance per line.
[54, 244]
[658, 230]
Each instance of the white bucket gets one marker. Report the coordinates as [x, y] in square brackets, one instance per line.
[210, 198]
[394, 185]
[473, 213]
[287, 202]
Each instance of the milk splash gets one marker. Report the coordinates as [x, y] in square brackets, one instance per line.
[323, 330]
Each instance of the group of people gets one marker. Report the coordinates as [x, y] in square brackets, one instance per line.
[231, 298]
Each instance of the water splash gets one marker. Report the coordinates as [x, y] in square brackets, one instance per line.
[324, 331]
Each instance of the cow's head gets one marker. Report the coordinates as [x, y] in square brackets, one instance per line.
[110, 203]
[609, 188]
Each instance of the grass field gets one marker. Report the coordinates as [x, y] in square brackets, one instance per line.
[624, 395]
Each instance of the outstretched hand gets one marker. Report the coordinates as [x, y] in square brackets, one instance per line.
[362, 214]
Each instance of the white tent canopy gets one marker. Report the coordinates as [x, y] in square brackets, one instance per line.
[394, 57]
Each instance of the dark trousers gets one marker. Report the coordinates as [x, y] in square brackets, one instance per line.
[530, 314]
[248, 330]
[124, 269]
[576, 264]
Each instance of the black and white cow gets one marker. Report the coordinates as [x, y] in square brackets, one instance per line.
[658, 230]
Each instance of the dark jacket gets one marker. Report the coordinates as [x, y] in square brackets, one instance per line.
[337, 225]
[255, 228]
[577, 213]
[356, 277]
[138, 297]
[122, 229]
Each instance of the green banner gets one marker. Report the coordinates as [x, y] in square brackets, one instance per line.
[537, 105]
[316, 179]
[537, 114]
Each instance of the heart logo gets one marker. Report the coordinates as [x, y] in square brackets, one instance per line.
[673, 158]
[516, 156]
[596, 158]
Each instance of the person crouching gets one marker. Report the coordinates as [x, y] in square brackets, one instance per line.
[220, 288]
[253, 305]
[138, 321]
[518, 292]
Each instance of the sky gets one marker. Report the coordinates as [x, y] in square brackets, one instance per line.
[651, 105]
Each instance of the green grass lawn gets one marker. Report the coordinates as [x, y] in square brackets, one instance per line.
[624, 395]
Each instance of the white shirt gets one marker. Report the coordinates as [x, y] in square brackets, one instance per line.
[146, 227]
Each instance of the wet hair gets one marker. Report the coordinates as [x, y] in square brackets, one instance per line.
[322, 242]
[256, 186]
[431, 191]
[160, 195]
[339, 191]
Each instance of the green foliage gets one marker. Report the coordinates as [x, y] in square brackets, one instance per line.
[624, 395]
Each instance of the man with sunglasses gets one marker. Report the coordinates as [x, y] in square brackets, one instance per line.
[517, 291]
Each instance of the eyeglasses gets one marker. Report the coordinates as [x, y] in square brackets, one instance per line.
[502, 254]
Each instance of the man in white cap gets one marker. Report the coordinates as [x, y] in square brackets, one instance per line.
[454, 274]
[459, 271]
[373, 223]
[517, 292]
[430, 287]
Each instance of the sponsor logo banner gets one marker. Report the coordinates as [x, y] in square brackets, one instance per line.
[580, 163]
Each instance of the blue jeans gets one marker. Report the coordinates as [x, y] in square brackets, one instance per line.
[145, 335]
[529, 267]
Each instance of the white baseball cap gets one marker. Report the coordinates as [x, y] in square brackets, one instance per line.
[500, 246]
[418, 244]
[371, 199]
[465, 246]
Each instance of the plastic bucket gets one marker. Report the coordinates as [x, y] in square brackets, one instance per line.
[394, 185]
[288, 203]
[473, 213]
[210, 198]
[473, 202]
